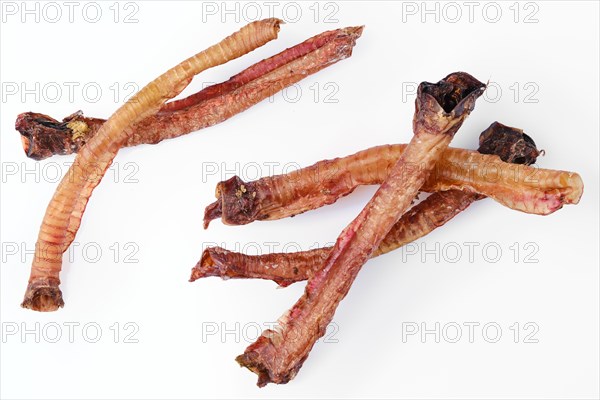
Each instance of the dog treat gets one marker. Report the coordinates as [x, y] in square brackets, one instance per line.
[345, 39]
[65, 211]
[510, 144]
[441, 108]
[43, 136]
[520, 187]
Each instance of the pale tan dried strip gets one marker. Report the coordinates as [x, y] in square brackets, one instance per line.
[64, 213]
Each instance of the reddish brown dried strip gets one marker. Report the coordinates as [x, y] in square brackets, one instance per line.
[510, 144]
[43, 136]
[520, 187]
[282, 268]
[287, 268]
[256, 71]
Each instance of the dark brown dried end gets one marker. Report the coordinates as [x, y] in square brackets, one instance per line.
[236, 205]
[248, 360]
[43, 136]
[443, 106]
[212, 211]
[43, 295]
[510, 144]
[348, 35]
[253, 361]
[209, 264]
[276, 22]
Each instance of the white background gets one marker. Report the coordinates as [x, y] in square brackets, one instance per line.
[555, 55]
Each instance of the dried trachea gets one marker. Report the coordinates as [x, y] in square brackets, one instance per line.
[441, 108]
[346, 36]
[520, 187]
[510, 144]
[43, 136]
[287, 268]
[65, 211]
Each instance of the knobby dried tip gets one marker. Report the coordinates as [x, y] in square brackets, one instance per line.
[43, 294]
[510, 144]
[211, 263]
[443, 106]
[239, 209]
[43, 136]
